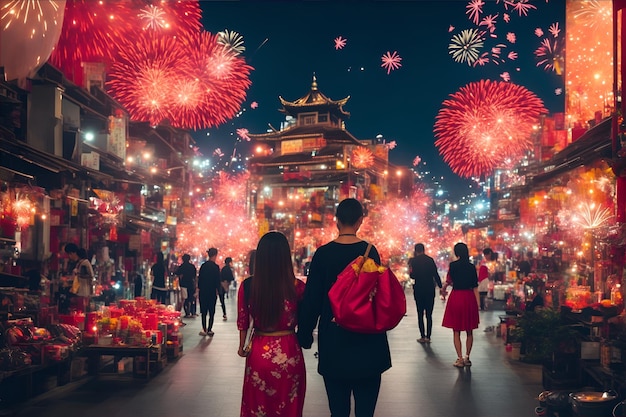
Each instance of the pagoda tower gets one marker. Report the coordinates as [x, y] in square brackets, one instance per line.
[301, 171]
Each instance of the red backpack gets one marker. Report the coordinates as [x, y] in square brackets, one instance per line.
[367, 298]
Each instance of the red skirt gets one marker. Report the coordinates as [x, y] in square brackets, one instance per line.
[461, 311]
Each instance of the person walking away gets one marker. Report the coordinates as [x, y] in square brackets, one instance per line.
[158, 271]
[351, 363]
[187, 278]
[208, 288]
[275, 376]
[461, 312]
[228, 276]
[483, 277]
[423, 270]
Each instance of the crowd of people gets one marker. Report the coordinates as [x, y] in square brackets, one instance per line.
[278, 313]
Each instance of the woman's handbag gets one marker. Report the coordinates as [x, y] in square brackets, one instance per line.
[75, 285]
[367, 298]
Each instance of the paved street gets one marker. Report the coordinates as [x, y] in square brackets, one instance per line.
[206, 380]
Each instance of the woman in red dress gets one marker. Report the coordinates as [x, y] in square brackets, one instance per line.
[275, 379]
[462, 308]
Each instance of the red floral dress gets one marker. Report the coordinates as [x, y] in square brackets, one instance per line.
[274, 382]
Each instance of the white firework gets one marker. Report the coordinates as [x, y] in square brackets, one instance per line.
[232, 39]
[465, 46]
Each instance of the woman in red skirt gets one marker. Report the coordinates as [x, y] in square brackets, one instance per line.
[274, 381]
[462, 308]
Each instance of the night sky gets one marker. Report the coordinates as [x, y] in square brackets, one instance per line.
[289, 41]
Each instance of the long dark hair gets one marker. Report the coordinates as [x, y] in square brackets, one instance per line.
[274, 280]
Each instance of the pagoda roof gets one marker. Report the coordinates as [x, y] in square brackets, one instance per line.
[314, 100]
[330, 133]
[326, 154]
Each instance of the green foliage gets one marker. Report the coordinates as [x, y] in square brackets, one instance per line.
[543, 334]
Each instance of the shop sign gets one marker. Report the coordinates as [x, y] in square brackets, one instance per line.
[90, 160]
[116, 142]
[171, 221]
[291, 146]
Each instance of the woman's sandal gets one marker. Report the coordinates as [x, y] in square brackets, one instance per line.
[459, 363]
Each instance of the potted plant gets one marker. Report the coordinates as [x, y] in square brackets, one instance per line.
[544, 335]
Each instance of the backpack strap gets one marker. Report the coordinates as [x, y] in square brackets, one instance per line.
[367, 251]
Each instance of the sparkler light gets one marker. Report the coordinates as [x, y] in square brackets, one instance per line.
[485, 124]
[29, 30]
[590, 216]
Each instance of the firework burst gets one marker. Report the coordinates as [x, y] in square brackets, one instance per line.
[465, 46]
[91, 32]
[222, 80]
[340, 42]
[391, 61]
[474, 9]
[589, 216]
[233, 40]
[362, 157]
[550, 55]
[243, 134]
[179, 18]
[485, 124]
[144, 77]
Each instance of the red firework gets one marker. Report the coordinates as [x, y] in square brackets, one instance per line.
[485, 125]
[145, 74]
[91, 30]
[94, 31]
[362, 157]
[220, 80]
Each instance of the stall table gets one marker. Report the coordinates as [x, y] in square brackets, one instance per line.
[151, 356]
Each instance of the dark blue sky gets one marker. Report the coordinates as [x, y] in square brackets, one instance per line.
[402, 105]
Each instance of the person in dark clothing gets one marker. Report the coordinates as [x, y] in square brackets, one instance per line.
[524, 267]
[208, 289]
[350, 363]
[158, 271]
[227, 274]
[226, 277]
[187, 279]
[423, 270]
[462, 308]
[138, 284]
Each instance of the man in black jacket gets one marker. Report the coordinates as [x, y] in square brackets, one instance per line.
[351, 363]
[208, 288]
[186, 273]
[423, 271]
